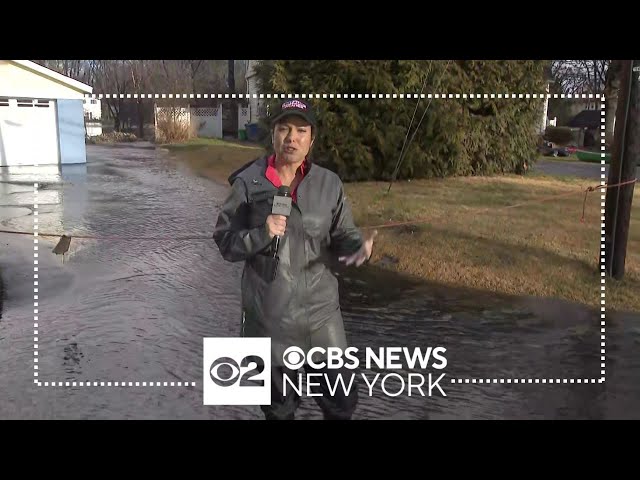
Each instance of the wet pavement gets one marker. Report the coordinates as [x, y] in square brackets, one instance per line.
[123, 310]
[574, 169]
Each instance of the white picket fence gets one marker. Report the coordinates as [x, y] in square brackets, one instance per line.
[202, 121]
[93, 128]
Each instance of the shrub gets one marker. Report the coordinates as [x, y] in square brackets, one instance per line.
[112, 137]
[562, 135]
[172, 125]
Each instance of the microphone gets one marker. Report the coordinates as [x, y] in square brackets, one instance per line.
[281, 206]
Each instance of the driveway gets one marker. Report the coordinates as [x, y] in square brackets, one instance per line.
[575, 169]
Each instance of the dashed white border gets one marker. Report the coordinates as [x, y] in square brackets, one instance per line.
[527, 380]
[340, 95]
[117, 384]
[35, 327]
[358, 96]
[603, 274]
[35, 284]
[602, 283]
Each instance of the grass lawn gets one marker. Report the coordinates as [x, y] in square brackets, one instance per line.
[466, 237]
[204, 143]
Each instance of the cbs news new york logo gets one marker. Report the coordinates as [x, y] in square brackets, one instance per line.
[237, 371]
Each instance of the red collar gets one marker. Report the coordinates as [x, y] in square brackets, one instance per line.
[272, 174]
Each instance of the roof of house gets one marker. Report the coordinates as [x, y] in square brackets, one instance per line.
[586, 119]
[47, 72]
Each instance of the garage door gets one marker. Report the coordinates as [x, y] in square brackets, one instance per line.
[28, 132]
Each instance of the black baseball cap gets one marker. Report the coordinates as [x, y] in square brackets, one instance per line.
[297, 107]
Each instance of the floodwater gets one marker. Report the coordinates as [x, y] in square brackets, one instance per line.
[118, 309]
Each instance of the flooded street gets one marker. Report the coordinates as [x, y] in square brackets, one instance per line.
[119, 309]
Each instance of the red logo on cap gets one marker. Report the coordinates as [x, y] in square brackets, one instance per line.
[294, 104]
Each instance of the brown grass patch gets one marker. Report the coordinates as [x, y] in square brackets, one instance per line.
[465, 236]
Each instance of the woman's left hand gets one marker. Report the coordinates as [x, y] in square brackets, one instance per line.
[363, 254]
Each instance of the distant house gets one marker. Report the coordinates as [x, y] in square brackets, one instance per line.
[589, 121]
[41, 116]
[92, 109]
[564, 109]
[92, 116]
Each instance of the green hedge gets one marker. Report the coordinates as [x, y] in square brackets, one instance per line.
[562, 135]
[361, 139]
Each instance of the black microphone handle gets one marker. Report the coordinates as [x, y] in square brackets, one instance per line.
[276, 245]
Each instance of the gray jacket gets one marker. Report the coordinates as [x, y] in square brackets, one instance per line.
[300, 306]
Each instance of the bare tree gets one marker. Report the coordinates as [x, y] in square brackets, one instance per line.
[591, 77]
[140, 81]
[81, 70]
[580, 76]
[177, 76]
[116, 77]
[113, 77]
[212, 76]
[194, 66]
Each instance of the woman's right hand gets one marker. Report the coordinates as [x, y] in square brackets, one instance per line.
[276, 225]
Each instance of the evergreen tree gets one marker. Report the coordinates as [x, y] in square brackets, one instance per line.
[362, 139]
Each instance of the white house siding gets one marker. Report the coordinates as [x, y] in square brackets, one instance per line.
[41, 116]
[92, 108]
[71, 131]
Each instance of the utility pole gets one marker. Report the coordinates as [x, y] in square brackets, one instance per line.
[231, 75]
[625, 156]
[232, 105]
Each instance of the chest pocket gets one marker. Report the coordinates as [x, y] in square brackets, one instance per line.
[317, 214]
[317, 223]
[260, 208]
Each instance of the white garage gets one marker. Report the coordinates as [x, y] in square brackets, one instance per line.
[41, 116]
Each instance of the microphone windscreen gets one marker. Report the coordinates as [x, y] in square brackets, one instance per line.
[284, 191]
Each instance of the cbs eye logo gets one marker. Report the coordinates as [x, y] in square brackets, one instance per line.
[225, 371]
[293, 358]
